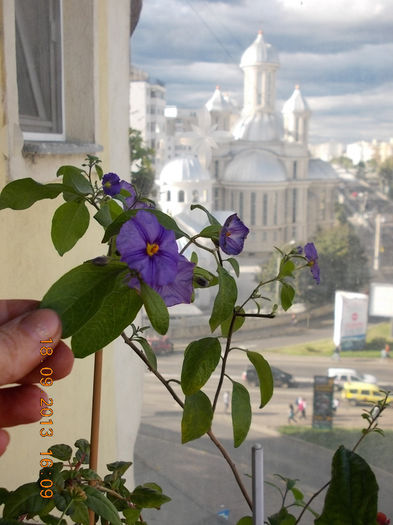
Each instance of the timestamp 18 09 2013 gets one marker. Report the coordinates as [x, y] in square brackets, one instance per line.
[46, 411]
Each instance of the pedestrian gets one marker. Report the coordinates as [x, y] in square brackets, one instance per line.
[336, 353]
[225, 398]
[291, 416]
[301, 407]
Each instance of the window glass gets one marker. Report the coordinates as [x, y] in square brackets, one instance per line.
[39, 59]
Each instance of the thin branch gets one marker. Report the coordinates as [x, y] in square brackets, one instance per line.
[166, 384]
[224, 361]
[232, 467]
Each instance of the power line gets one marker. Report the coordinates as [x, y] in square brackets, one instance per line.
[218, 40]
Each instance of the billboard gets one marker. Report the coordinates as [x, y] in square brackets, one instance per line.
[381, 300]
[322, 416]
[350, 320]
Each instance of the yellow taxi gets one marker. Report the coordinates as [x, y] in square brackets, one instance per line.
[358, 393]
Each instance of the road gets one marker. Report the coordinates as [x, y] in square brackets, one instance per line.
[196, 476]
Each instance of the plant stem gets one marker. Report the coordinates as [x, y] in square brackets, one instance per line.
[211, 435]
[224, 361]
[232, 467]
[95, 419]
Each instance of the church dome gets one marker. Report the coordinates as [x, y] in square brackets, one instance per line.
[256, 166]
[217, 102]
[259, 52]
[183, 169]
[296, 103]
[259, 126]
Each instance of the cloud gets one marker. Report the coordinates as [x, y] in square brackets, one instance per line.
[339, 51]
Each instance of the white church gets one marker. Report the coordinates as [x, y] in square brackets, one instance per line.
[255, 162]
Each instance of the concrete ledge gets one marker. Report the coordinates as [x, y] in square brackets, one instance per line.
[59, 148]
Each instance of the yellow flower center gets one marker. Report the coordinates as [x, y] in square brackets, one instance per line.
[227, 234]
[151, 249]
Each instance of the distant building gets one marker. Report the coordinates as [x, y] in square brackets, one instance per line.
[147, 106]
[259, 167]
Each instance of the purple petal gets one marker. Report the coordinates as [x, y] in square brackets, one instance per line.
[111, 184]
[179, 291]
[232, 235]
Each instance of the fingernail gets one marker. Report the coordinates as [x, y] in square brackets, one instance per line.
[42, 324]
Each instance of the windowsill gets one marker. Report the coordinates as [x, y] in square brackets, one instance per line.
[31, 147]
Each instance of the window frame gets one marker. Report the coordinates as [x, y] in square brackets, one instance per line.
[41, 135]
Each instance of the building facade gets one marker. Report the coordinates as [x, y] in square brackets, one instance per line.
[262, 168]
[64, 93]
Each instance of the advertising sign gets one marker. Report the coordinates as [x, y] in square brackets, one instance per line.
[322, 416]
[381, 300]
[350, 320]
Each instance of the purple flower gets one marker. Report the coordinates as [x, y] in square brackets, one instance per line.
[131, 198]
[311, 255]
[180, 291]
[232, 235]
[151, 250]
[111, 184]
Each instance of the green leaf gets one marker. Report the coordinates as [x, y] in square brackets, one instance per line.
[3, 495]
[83, 452]
[164, 219]
[117, 311]
[287, 268]
[21, 194]
[75, 178]
[79, 513]
[50, 520]
[212, 219]
[62, 452]
[155, 308]
[78, 294]
[235, 265]
[108, 213]
[26, 499]
[149, 352]
[200, 360]
[265, 376]
[203, 278]
[148, 497]
[119, 467]
[197, 416]
[70, 222]
[246, 520]
[287, 295]
[131, 515]
[101, 505]
[89, 474]
[211, 232]
[241, 413]
[352, 496]
[238, 323]
[114, 227]
[225, 298]
[194, 258]
[282, 518]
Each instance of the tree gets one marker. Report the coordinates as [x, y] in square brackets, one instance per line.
[142, 171]
[386, 174]
[343, 264]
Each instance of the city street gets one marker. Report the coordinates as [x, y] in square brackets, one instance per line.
[196, 476]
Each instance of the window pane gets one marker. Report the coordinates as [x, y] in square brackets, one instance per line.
[38, 58]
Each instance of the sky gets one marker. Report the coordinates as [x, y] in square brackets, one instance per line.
[340, 52]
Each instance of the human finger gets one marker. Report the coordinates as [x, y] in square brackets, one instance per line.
[20, 405]
[21, 340]
[4, 440]
[60, 362]
[11, 308]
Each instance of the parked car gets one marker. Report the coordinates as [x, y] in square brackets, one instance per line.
[280, 377]
[357, 393]
[349, 375]
[161, 345]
